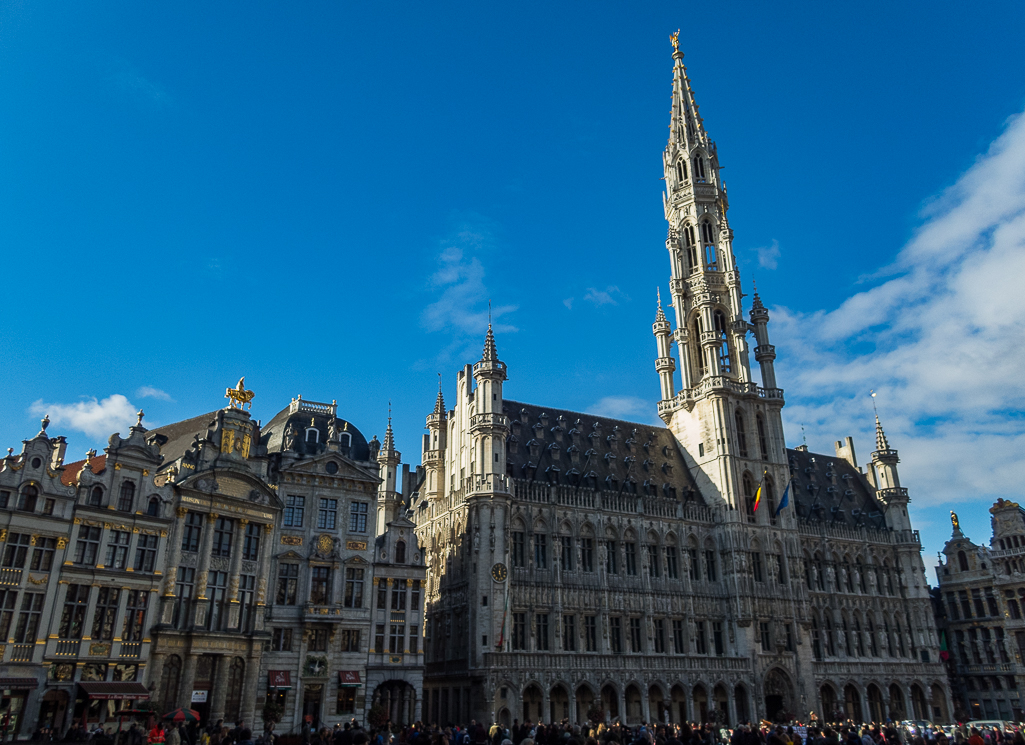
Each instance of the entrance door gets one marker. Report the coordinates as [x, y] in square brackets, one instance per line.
[312, 695]
[773, 706]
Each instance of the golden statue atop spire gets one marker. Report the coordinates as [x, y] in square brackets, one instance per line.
[238, 396]
[954, 521]
[674, 39]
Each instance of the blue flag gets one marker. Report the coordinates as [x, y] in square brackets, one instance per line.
[784, 501]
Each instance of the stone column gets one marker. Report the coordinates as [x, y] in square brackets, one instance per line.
[266, 549]
[154, 672]
[645, 706]
[233, 573]
[203, 571]
[249, 685]
[731, 707]
[572, 713]
[172, 557]
[188, 680]
[220, 689]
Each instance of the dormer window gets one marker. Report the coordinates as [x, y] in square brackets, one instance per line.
[400, 552]
[27, 499]
[346, 440]
[96, 496]
[312, 435]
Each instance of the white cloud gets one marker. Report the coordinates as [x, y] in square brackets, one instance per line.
[97, 419]
[630, 408]
[940, 338]
[148, 391]
[568, 302]
[608, 296]
[768, 256]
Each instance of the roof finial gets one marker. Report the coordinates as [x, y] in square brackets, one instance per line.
[140, 414]
[45, 423]
[881, 443]
[658, 295]
[804, 438]
[674, 39]
[489, 312]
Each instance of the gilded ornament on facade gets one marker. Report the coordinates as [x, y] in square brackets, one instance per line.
[356, 545]
[292, 540]
[238, 396]
[325, 543]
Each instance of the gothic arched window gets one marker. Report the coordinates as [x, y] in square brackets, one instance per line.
[769, 495]
[681, 170]
[699, 169]
[763, 443]
[699, 356]
[738, 419]
[724, 347]
[748, 486]
[692, 248]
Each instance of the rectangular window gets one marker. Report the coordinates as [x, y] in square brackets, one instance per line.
[224, 530]
[540, 551]
[318, 640]
[654, 565]
[519, 635]
[5, 498]
[542, 632]
[382, 593]
[952, 605]
[591, 633]
[569, 633]
[73, 615]
[679, 644]
[8, 603]
[353, 588]
[16, 550]
[379, 638]
[672, 564]
[398, 595]
[587, 554]
[566, 553]
[320, 585]
[281, 640]
[327, 514]
[358, 517]
[48, 505]
[135, 616]
[980, 610]
[117, 549]
[695, 564]
[295, 509]
[756, 567]
[991, 602]
[635, 635]
[790, 640]
[966, 608]
[660, 636]
[88, 546]
[217, 591]
[781, 575]
[346, 702]
[28, 618]
[717, 639]
[395, 638]
[611, 558]
[192, 533]
[518, 544]
[763, 636]
[630, 551]
[42, 556]
[710, 565]
[414, 595]
[145, 553]
[700, 637]
[288, 584]
[350, 640]
[251, 545]
[107, 600]
[414, 640]
[616, 635]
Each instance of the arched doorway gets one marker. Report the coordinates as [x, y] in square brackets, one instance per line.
[740, 703]
[585, 703]
[633, 704]
[53, 709]
[397, 697]
[532, 702]
[779, 696]
[939, 704]
[656, 705]
[918, 704]
[700, 703]
[852, 703]
[897, 709]
[558, 704]
[504, 718]
[233, 696]
[722, 707]
[830, 710]
[610, 702]
[678, 704]
[169, 682]
[876, 710]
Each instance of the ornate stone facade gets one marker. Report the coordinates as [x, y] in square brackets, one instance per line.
[698, 570]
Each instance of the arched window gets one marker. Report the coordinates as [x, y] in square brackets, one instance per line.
[830, 639]
[153, 510]
[312, 434]
[346, 440]
[699, 352]
[96, 496]
[27, 499]
[962, 561]
[749, 496]
[126, 497]
[711, 257]
[738, 419]
[681, 170]
[724, 345]
[763, 443]
[400, 552]
[691, 247]
[699, 169]
[769, 495]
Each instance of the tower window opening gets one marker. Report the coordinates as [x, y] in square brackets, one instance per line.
[692, 248]
[711, 256]
[738, 419]
[699, 357]
[681, 171]
[724, 346]
[763, 443]
[699, 169]
[749, 497]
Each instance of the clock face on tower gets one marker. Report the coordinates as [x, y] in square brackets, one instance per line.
[499, 572]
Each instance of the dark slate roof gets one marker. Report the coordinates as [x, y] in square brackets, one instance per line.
[181, 435]
[826, 487]
[568, 447]
[273, 433]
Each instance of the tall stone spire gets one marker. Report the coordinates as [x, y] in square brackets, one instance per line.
[665, 365]
[490, 353]
[686, 128]
[389, 436]
[389, 497]
[881, 443]
[439, 403]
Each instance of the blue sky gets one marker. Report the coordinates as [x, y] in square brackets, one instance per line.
[324, 197]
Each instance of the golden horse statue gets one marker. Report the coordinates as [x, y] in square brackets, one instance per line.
[238, 396]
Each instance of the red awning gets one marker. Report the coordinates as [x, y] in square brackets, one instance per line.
[279, 679]
[6, 683]
[115, 690]
[349, 678]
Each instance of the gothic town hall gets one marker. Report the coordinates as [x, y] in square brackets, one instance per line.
[700, 570]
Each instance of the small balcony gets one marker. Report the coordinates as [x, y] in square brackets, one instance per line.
[22, 652]
[67, 648]
[10, 577]
[318, 613]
